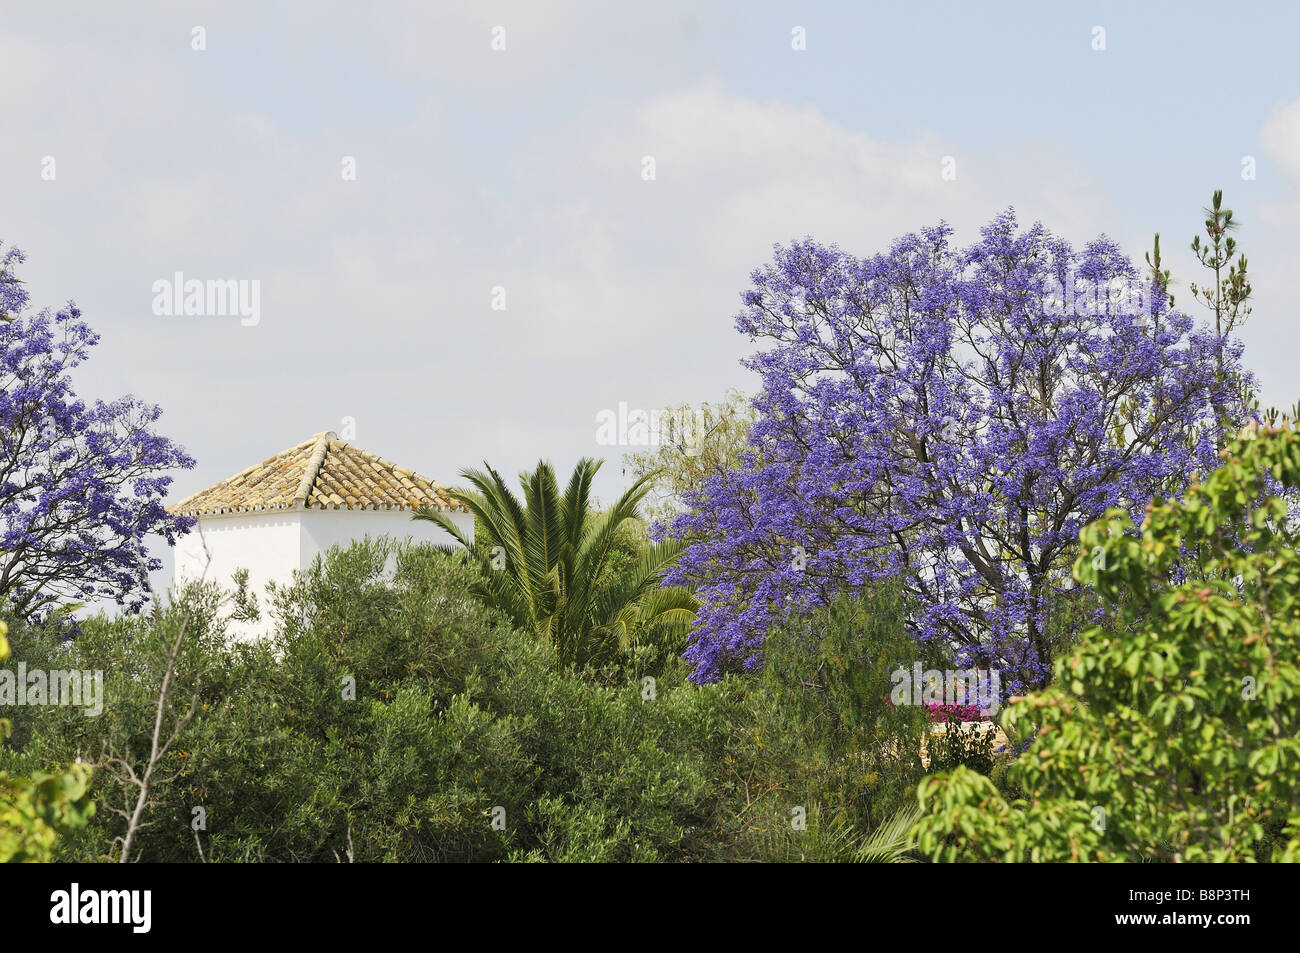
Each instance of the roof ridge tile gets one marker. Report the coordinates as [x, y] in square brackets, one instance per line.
[321, 473]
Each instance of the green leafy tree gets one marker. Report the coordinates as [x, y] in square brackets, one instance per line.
[706, 440]
[545, 563]
[36, 812]
[1175, 735]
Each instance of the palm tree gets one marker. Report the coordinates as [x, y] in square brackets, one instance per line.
[547, 565]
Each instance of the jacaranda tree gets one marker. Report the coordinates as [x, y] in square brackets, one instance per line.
[951, 418]
[81, 486]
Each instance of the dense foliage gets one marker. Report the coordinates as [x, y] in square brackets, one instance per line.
[1177, 736]
[35, 812]
[393, 715]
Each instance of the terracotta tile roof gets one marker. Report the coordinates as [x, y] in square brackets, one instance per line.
[320, 473]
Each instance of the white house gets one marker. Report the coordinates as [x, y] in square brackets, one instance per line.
[279, 515]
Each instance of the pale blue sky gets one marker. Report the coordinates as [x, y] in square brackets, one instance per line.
[521, 168]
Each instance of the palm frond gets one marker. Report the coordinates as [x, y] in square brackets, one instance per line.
[557, 554]
[892, 841]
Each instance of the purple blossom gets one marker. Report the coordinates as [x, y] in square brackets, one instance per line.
[938, 416]
[81, 486]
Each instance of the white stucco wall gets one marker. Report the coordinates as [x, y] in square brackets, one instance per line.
[272, 545]
[268, 545]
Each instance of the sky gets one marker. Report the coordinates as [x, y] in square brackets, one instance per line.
[460, 253]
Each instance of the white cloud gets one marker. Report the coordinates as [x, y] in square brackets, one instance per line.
[1280, 137]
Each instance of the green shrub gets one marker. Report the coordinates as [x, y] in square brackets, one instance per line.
[839, 759]
[36, 812]
[392, 717]
[389, 719]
